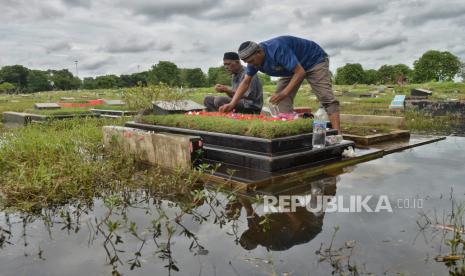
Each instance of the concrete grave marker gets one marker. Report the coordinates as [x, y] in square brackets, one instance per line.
[167, 150]
[398, 103]
[47, 106]
[420, 92]
[171, 107]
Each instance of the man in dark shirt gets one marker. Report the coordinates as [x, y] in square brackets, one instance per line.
[293, 59]
[250, 102]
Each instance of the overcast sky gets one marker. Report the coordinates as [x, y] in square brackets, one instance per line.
[123, 37]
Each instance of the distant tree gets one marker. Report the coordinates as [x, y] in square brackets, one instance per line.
[165, 72]
[107, 81]
[126, 81]
[390, 73]
[64, 80]
[402, 69]
[193, 77]
[462, 71]
[436, 66]
[7, 87]
[89, 83]
[218, 75]
[371, 76]
[386, 74]
[140, 78]
[38, 81]
[16, 75]
[350, 74]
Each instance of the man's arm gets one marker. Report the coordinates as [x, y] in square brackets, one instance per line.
[296, 80]
[224, 89]
[243, 87]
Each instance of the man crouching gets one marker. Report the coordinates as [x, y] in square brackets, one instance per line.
[250, 102]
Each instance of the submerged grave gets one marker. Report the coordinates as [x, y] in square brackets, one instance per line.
[266, 146]
[113, 111]
[367, 130]
[46, 106]
[440, 108]
[19, 119]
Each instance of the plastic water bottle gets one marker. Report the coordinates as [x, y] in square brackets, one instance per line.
[320, 120]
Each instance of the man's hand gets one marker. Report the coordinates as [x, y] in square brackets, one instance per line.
[226, 108]
[277, 98]
[221, 88]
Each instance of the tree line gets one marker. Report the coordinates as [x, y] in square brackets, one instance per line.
[431, 66]
[17, 78]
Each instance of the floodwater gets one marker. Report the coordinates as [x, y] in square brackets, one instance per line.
[208, 240]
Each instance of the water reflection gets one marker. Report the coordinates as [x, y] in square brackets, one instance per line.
[131, 226]
[209, 231]
[281, 231]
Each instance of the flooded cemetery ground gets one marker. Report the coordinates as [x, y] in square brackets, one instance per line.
[207, 231]
[68, 206]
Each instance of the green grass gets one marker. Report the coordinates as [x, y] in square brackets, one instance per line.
[53, 163]
[416, 121]
[63, 162]
[255, 128]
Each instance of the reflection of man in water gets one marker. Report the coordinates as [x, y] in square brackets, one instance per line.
[283, 230]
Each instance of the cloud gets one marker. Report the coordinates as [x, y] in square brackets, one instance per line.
[334, 43]
[199, 46]
[372, 44]
[162, 9]
[340, 41]
[435, 11]
[94, 63]
[349, 9]
[77, 3]
[24, 10]
[230, 10]
[343, 10]
[134, 45]
[58, 47]
[108, 36]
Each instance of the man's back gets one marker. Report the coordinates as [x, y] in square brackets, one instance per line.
[283, 52]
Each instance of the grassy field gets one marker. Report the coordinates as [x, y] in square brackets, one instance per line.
[351, 103]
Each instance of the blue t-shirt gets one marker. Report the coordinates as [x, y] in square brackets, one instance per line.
[282, 54]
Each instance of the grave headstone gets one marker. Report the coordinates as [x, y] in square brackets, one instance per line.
[398, 103]
[420, 92]
[366, 95]
[47, 106]
[381, 89]
[114, 102]
[171, 107]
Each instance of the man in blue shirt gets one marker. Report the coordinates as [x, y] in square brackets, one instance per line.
[293, 59]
